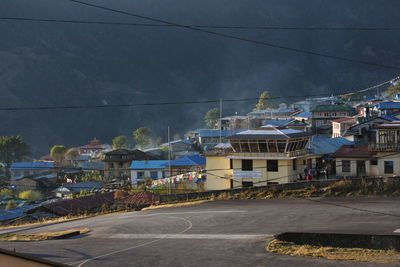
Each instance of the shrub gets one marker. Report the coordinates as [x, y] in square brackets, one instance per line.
[30, 195]
[6, 191]
[10, 205]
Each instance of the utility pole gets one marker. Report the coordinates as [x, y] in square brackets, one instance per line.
[220, 120]
[169, 159]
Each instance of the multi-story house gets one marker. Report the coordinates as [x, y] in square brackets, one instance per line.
[93, 149]
[117, 162]
[258, 157]
[323, 115]
[147, 169]
[339, 126]
[379, 159]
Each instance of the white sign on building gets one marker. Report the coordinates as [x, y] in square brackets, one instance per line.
[247, 174]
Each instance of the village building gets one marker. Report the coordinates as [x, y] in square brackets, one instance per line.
[193, 163]
[94, 149]
[76, 188]
[339, 126]
[21, 169]
[259, 157]
[379, 158]
[233, 122]
[117, 162]
[323, 115]
[147, 169]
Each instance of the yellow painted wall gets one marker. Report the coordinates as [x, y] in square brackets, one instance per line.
[218, 167]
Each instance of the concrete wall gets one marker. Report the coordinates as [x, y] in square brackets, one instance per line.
[371, 170]
[218, 167]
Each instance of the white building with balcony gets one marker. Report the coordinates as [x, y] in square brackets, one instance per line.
[258, 157]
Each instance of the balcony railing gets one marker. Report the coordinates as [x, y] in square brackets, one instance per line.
[383, 147]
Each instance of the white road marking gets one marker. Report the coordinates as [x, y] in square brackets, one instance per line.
[190, 225]
[184, 212]
[183, 236]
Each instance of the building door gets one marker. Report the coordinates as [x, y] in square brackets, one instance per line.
[361, 168]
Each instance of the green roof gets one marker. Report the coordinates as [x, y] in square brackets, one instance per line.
[322, 108]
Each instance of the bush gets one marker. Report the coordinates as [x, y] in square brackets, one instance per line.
[30, 195]
[6, 191]
[10, 205]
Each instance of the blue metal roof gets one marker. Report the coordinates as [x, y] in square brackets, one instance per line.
[322, 145]
[148, 164]
[194, 160]
[277, 123]
[6, 215]
[388, 117]
[388, 105]
[216, 132]
[31, 165]
[304, 114]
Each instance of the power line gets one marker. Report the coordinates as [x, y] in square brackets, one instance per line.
[304, 28]
[185, 102]
[240, 38]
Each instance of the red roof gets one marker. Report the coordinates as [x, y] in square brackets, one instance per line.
[351, 151]
[344, 119]
[94, 144]
[142, 198]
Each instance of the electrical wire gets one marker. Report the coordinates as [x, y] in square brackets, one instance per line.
[305, 28]
[240, 38]
[188, 102]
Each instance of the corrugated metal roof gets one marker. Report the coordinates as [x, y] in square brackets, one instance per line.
[91, 165]
[216, 133]
[31, 165]
[148, 164]
[6, 215]
[388, 105]
[322, 145]
[194, 160]
[304, 114]
[276, 123]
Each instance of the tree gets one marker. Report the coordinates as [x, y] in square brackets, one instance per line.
[120, 142]
[58, 153]
[72, 154]
[92, 176]
[211, 118]
[12, 149]
[30, 195]
[141, 136]
[265, 101]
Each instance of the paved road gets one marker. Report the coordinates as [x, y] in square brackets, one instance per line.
[221, 233]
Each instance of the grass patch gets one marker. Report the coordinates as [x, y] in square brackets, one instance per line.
[334, 253]
[173, 205]
[40, 236]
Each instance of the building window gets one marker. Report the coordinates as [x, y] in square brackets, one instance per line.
[231, 164]
[153, 175]
[388, 166]
[272, 165]
[247, 165]
[374, 162]
[294, 164]
[345, 165]
[140, 175]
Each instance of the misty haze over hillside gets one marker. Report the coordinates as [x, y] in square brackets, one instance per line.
[52, 64]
